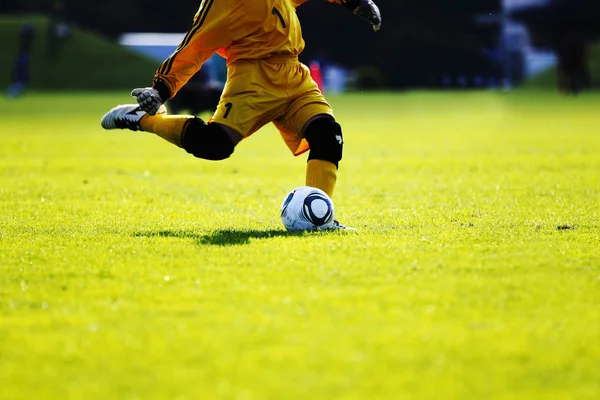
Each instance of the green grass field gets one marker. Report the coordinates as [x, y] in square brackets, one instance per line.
[131, 270]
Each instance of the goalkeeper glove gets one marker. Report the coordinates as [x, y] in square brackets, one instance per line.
[148, 99]
[365, 9]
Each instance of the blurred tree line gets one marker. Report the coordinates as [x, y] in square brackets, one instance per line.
[420, 43]
[570, 28]
[549, 25]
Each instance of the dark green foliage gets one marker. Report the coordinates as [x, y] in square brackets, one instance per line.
[548, 78]
[83, 61]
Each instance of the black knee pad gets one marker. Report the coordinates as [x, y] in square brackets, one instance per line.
[207, 141]
[324, 136]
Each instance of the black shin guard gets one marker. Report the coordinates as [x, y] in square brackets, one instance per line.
[324, 136]
[207, 141]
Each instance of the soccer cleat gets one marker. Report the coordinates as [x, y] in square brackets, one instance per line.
[337, 225]
[126, 116]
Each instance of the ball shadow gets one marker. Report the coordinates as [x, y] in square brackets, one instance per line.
[224, 237]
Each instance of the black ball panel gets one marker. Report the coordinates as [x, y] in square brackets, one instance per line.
[308, 211]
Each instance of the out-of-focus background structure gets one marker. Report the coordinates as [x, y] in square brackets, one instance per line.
[425, 44]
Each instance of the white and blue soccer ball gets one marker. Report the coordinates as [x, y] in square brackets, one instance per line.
[307, 209]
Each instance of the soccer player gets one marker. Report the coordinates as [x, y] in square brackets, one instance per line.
[261, 41]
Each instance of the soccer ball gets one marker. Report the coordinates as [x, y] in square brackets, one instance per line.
[307, 209]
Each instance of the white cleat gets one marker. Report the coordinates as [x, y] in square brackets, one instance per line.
[126, 116]
[337, 225]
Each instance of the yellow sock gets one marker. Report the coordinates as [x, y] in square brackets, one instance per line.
[168, 127]
[321, 174]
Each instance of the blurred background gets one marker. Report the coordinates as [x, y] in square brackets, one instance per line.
[431, 44]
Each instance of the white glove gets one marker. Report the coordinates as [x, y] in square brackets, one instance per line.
[148, 99]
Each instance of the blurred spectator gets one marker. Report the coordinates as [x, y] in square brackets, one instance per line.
[58, 29]
[573, 63]
[335, 79]
[20, 71]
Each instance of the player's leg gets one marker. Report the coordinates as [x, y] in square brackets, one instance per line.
[308, 123]
[320, 134]
[244, 108]
[324, 136]
[209, 141]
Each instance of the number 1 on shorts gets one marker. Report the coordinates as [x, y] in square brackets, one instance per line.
[227, 109]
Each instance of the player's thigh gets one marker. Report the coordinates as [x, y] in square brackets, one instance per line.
[244, 105]
[307, 101]
[245, 113]
[303, 109]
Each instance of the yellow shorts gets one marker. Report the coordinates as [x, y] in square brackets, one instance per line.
[279, 90]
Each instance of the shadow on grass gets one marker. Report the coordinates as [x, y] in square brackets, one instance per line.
[226, 237]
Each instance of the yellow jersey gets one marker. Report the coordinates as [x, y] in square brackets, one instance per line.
[236, 30]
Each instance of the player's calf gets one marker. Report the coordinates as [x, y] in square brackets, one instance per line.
[324, 136]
